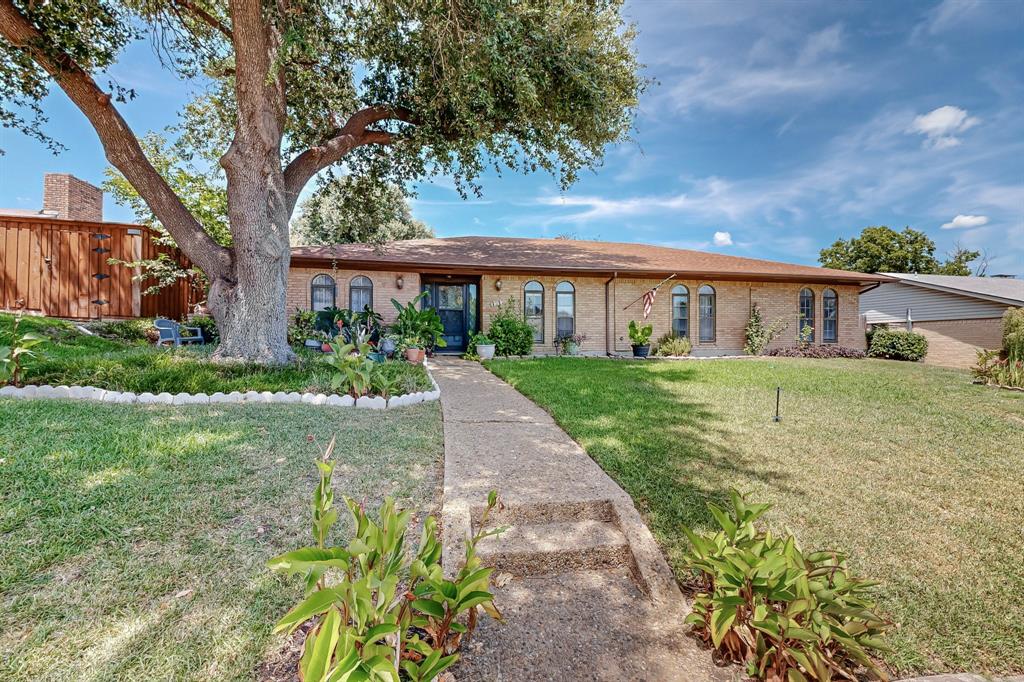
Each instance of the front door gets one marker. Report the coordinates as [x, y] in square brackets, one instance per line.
[456, 304]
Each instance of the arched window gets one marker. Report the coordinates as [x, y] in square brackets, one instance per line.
[360, 294]
[706, 295]
[322, 292]
[565, 310]
[806, 313]
[830, 313]
[680, 310]
[533, 308]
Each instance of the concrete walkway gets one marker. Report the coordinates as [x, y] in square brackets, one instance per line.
[591, 597]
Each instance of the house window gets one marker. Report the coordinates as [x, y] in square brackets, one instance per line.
[533, 308]
[707, 313]
[322, 291]
[565, 310]
[830, 311]
[360, 294]
[806, 313]
[680, 311]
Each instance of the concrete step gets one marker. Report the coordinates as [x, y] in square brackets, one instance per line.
[527, 549]
[548, 512]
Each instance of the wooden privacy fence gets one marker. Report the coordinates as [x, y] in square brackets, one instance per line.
[60, 268]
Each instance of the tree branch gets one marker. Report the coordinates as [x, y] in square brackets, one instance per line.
[119, 143]
[355, 133]
[204, 16]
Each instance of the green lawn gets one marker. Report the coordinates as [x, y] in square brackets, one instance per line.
[73, 358]
[912, 470]
[133, 539]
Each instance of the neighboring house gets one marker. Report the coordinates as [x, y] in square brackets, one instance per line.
[958, 315]
[583, 287]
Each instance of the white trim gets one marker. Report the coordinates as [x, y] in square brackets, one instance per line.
[235, 397]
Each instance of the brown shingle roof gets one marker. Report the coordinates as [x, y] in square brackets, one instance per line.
[504, 254]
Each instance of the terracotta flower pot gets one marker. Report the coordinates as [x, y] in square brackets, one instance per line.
[325, 347]
[414, 355]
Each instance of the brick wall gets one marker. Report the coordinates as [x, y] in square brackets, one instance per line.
[733, 300]
[954, 343]
[590, 306]
[385, 288]
[71, 198]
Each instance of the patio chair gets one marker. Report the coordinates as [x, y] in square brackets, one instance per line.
[170, 332]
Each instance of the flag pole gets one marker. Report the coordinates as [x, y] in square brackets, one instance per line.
[654, 288]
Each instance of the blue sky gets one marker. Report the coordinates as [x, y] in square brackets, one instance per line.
[773, 129]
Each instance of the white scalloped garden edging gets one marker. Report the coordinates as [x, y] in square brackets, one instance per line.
[235, 397]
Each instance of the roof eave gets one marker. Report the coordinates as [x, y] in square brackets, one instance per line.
[856, 279]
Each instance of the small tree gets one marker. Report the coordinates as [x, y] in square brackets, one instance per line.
[758, 334]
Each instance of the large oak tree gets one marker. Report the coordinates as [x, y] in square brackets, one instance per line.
[400, 89]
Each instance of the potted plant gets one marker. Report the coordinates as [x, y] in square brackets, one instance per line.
[570, 344]
[640, 338]
[413, 348]
[484, 346]
[423, 325]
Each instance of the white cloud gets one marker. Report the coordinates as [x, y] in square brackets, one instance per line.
[723, 239]
[940, 126]
[965, 222]
[825, 42]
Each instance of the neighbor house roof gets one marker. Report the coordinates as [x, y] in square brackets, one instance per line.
[1000, 289]
[504, 254]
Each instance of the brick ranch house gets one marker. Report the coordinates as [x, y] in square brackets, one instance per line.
[583, 287]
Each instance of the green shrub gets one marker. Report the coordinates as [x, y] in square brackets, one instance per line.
[1013, 334]
[387, 609]
[123, 330]
[786, 614]
[208, 326]
[758, 334]
[302, 327]
[896, 344]
[509, 330]
[416, 324]
[670, 345]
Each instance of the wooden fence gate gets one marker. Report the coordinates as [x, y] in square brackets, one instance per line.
[61, 268]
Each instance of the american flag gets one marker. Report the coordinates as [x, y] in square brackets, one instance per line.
[649, 301]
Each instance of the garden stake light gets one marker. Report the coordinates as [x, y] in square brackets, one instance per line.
[778, 395]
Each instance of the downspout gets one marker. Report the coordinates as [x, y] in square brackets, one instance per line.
[609, 316]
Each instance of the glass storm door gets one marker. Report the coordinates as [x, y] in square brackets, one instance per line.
[456, 305]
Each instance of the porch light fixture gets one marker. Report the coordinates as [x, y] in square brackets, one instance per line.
[497, 284]
[400, 282]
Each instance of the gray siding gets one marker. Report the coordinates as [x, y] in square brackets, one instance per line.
[889, 302]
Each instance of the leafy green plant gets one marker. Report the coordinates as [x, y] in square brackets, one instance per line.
[896, 344]
[302, 327]
[1013, 334]
[994, 370]
[806, 335]
[208, 326]
[509, 330]
[570, 343]
[15, 347]
[759, 335]
[353, 369]
[670, 345]
[640, 335]
[380, 612]
[414, 323]
[788, 615]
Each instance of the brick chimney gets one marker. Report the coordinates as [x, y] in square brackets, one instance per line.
[71, 198]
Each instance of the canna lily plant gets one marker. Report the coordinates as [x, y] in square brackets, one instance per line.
[378, 610]
[790, 616]
[15, 348]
